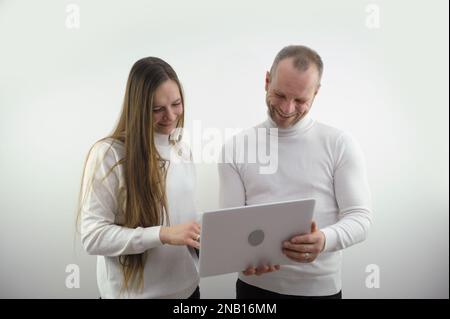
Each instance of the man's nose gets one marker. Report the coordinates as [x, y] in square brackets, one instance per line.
[288, 106]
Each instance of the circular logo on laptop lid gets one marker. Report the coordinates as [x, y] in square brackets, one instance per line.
[256, 237]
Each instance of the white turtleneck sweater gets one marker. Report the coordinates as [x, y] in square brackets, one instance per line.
[314, 161]
[170, 271]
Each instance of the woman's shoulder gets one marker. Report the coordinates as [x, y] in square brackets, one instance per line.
[109, 142]
[107, 150]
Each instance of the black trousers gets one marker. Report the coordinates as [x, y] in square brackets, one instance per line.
[246, 291]
[195, 294]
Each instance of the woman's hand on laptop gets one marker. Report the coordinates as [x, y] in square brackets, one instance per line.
[260, 270]
[181, 234]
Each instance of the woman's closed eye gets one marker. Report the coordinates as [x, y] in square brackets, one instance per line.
[158, 109]
[176, 102]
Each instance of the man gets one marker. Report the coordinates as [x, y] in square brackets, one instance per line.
[314, 161]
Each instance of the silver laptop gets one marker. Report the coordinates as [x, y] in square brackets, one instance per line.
[233, 239]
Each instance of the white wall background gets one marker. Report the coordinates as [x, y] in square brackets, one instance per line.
[61, 89]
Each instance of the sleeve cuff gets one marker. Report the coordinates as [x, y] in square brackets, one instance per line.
[331, 239]
[150, 237]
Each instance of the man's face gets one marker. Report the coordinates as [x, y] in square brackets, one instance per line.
[290, 92]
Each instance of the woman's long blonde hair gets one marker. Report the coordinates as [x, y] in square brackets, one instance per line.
[144, 197]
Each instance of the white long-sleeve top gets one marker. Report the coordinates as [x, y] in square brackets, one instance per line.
[170, 271]
[314, 161]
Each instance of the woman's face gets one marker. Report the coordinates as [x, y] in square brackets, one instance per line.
[167, 107]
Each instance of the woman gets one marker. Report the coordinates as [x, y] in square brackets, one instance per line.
[137, 196]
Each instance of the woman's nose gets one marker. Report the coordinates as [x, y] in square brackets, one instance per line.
[169, 114]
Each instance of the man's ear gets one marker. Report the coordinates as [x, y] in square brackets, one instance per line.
[267, 81]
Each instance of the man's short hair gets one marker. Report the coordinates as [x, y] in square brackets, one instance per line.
[303, 58]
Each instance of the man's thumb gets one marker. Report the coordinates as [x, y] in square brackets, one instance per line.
[313, 227]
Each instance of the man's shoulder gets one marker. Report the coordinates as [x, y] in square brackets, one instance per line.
[334, 136]
[327, 130]
[242, 135]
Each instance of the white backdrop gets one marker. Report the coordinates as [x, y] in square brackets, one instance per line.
[385, 81]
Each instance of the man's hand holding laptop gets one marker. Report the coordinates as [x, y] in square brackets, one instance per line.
[300, 248]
